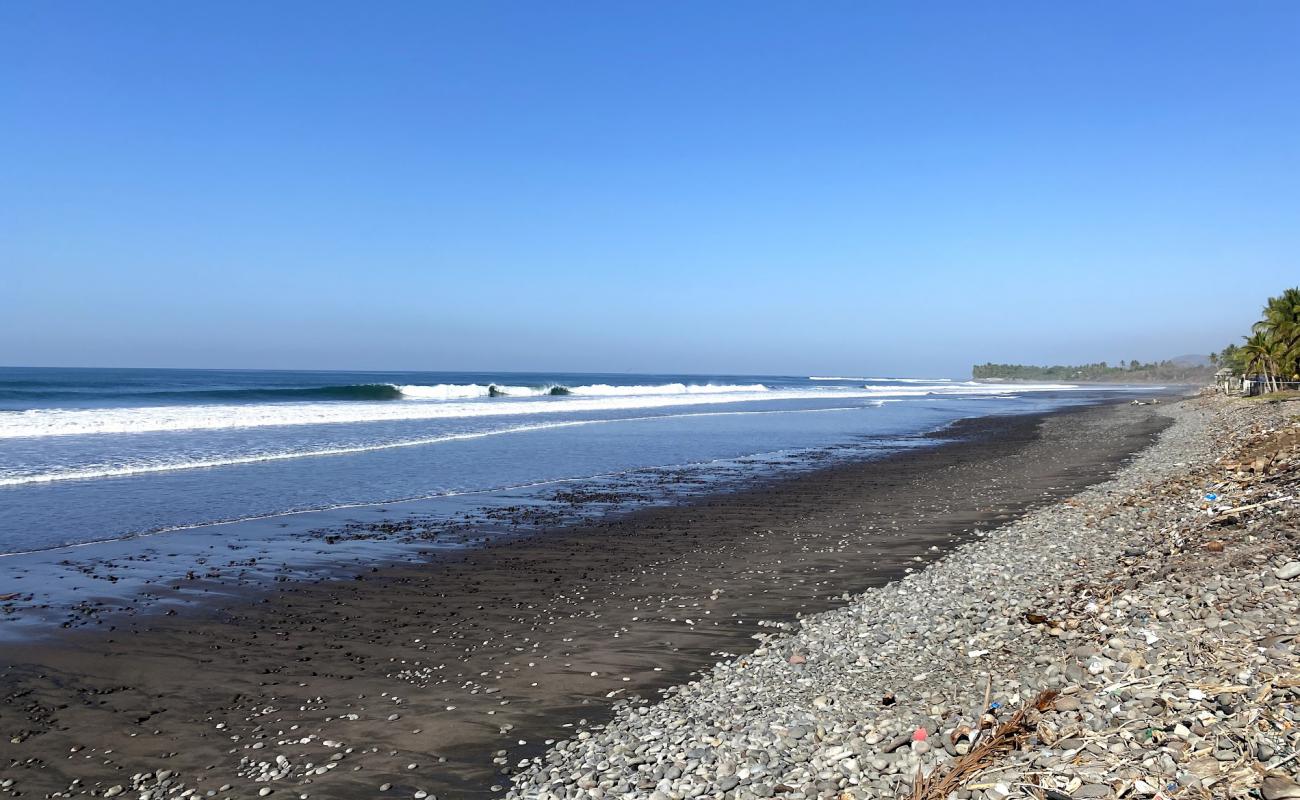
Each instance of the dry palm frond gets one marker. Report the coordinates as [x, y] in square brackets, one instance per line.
[1000, 740]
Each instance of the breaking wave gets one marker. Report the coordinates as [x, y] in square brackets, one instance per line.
[456, 402]
[354, 391]
[883, 380]
[469, 391]
[359, 392]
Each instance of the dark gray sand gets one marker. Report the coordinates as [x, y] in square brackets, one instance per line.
[437, 677]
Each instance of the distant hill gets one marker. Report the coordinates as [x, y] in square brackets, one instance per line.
[1184, 369]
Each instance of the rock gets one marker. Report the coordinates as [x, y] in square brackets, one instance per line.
[1278, 788]
[902, 740]
[1288, 571]
[999, 791]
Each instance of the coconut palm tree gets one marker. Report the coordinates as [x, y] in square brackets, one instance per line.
[1258, 351]
[1283, 361]
[1289, 330]
[1281, 326]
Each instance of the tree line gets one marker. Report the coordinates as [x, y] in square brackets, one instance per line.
[1271, 353]
[1133, 371]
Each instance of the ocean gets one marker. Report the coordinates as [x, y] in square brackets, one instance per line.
[88, 455]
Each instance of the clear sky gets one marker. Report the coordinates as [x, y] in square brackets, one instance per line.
[843, 187]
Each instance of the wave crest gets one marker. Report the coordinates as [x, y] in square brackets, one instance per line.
[470, 391]
[459, 402]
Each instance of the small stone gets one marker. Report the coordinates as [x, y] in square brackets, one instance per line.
[1288, 571]
[897, 742]
[1278, 788]
[999, 791]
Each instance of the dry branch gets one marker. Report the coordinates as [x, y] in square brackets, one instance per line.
[1001, 740]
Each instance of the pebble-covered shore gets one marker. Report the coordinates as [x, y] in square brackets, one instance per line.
[1137, 640]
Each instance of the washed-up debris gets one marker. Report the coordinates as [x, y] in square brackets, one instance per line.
[1004, 737]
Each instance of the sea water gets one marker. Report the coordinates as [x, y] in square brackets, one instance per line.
[88, 455]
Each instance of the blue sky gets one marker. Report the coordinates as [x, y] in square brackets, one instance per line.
[843, 187]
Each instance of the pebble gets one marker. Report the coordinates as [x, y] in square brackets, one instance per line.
[1099, 598]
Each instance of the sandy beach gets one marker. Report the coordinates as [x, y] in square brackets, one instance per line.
[442, 677]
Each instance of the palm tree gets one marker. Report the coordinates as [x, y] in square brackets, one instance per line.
[1275, 343]
[1279, 354]
[1258, 352]
[1283, 314]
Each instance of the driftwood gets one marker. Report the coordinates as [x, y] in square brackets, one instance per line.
[1234, 511]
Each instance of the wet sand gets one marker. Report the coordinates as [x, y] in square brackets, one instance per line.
[440, 677]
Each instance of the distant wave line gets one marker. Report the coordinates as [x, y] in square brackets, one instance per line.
[39, 423]
[371, 391]
[350, 391]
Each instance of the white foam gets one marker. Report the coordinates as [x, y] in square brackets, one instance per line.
[895, 380]
[444, 391]
[467, 391]
[76, 422]
[168, 466]
[606, 390]
[113, 471]
[81, 422]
